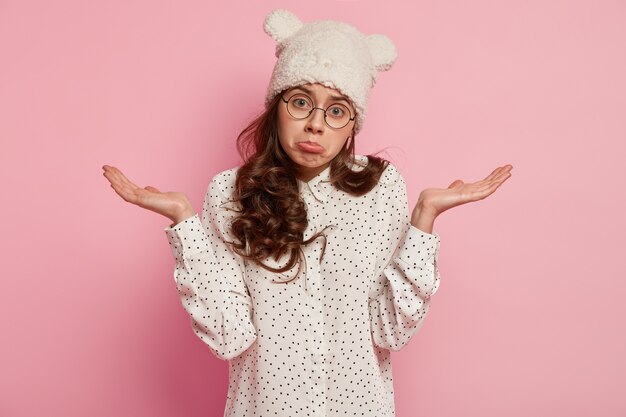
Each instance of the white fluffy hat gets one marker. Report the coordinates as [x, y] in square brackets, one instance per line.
[331, 53]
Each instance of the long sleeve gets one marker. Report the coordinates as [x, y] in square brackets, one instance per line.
[407, 271]
[209, 278]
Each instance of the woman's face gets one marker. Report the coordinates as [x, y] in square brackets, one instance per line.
[310, 142]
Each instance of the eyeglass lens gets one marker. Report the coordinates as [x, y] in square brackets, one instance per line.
[300, 106]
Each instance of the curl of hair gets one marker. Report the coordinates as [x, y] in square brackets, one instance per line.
[272, 218]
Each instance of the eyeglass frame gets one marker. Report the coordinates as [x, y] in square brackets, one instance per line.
[315, 108]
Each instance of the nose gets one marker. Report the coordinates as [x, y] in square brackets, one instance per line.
[315, 122]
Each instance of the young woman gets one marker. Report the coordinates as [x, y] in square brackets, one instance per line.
[304, 270]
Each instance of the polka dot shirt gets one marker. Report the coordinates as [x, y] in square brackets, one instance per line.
[319, 345]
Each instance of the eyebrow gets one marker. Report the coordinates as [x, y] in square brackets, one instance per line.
[306, 90]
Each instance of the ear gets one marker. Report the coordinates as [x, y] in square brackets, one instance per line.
[281, 24]
[383, 51]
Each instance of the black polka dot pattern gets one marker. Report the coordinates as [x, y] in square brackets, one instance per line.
[320, 344]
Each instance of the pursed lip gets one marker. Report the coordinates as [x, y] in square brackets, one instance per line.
[311, 147]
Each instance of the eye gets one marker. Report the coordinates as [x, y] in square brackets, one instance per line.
[337, 111]
[300, 102]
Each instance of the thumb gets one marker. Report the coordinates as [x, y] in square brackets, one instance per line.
[150, 188]
[455, 183]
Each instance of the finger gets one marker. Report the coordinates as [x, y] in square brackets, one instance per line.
[499, 172]
[119, 175]
[493, 174]
[482, 186]
[488, 178]
[483, 193]
[496, 173]
[151, 188]
[455, 183]
[481, 190]
[124, 188]
[113, 175]
[125, 180]
[496, 184]
[107, 175]
[504, 174]
[117, 180]
[123, 192]
[493, 187]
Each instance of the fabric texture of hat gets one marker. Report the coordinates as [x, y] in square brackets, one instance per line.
[328, 52]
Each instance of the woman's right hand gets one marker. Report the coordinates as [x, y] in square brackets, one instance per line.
[173, 205]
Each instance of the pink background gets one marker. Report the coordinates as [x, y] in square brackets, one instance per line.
[529, 319]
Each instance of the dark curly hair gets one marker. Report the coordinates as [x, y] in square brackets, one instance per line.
[272, 218]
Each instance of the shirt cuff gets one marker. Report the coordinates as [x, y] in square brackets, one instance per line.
[187, 238]
[418, 246]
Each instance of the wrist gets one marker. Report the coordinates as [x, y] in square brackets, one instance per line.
[424, 204]
[184, 213]
[423, 217]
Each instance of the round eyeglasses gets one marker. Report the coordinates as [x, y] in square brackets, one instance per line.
[300, 106]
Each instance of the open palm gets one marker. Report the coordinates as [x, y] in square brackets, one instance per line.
[457, 193]
[169, 204]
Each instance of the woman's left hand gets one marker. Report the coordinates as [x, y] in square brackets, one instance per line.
[437, 200]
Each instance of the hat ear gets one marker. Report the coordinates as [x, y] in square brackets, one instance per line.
[383, 51]
[281, 24]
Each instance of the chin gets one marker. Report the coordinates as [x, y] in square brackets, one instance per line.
[312, 161]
